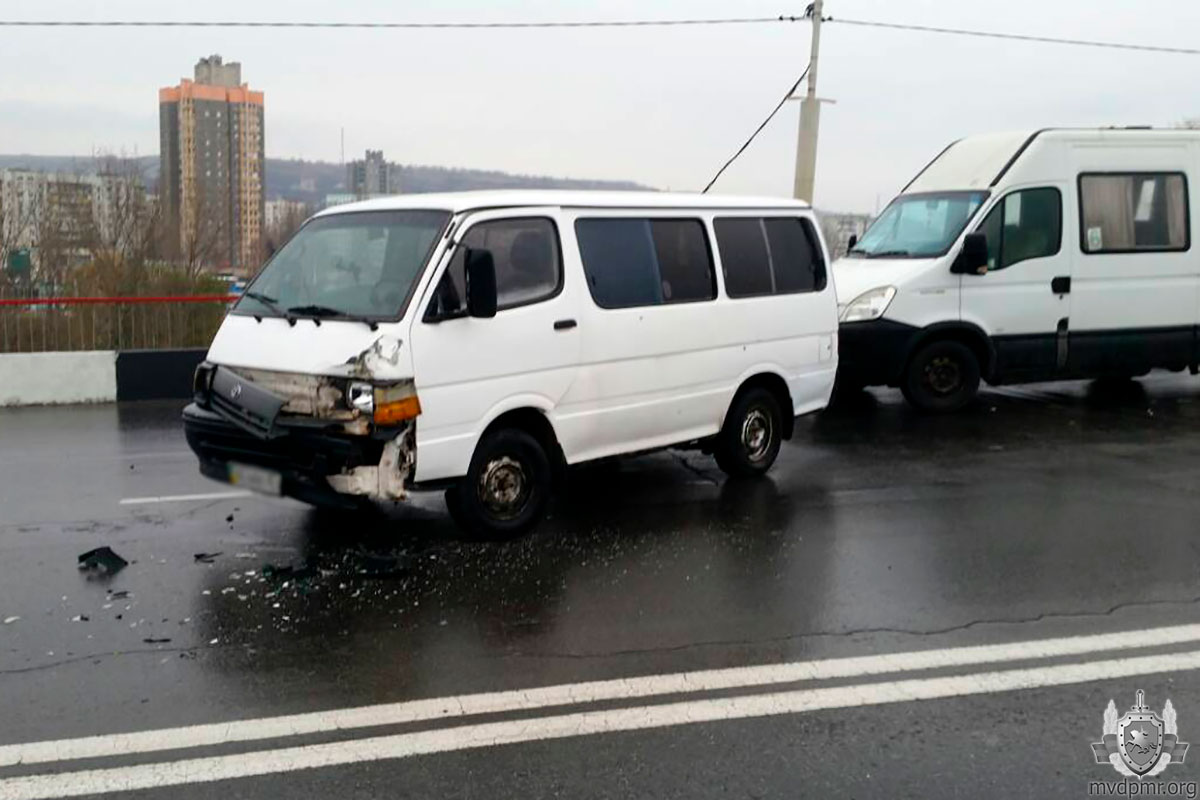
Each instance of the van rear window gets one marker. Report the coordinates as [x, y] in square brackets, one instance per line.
[773, 255]
[633, 262]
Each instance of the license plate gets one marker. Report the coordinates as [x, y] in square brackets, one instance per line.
[256, 479]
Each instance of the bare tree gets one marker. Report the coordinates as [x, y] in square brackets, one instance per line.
[204, 236]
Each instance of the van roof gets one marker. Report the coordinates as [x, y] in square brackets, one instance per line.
[517, 198]
[980, 161]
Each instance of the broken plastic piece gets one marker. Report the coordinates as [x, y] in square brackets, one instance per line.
[205, 558]
[152, 640]
[102, 559]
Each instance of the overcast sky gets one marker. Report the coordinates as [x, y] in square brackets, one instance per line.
[663, 106]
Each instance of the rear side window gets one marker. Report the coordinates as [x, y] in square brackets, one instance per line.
[528, 265]
[1133, 212]
[644, 262]
[772, 255]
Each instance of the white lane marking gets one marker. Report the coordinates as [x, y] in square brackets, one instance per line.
[579, 693]
[267, 762]
[184, 498]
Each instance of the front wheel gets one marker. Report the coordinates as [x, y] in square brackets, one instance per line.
[506, 488]
[749, 441]
[942, 377]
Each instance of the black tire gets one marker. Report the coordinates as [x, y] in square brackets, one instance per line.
[506, 489]
[750, 438]
[942, 377]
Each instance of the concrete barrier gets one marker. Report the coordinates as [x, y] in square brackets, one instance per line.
[31, 379]
[102, 376]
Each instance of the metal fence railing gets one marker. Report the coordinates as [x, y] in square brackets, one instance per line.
[43, 324]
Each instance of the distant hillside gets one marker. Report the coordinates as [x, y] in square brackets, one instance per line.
[310, 181]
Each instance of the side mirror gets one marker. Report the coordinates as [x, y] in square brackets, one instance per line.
[481, 283]
[853, 240]
[973, 258]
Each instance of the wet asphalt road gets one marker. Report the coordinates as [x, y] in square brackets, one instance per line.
[1042, 512]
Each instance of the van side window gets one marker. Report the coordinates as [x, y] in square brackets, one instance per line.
[645, 262]
[528, 265]
[1023, 225]
[775, 255]
[795, 255]
[1133, 212]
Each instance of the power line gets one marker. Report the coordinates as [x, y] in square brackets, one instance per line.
[628, 23]
[758, 130]
[1148, 48]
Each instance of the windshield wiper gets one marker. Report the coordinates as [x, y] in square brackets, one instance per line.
[886, 253]
[269, 302]
[317, 312]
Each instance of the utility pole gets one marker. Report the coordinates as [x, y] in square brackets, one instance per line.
[810, 114]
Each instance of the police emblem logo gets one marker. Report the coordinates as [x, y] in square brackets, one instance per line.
[1141, 743]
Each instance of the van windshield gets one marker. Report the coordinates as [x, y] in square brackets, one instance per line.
[357, 265]
[919, 225]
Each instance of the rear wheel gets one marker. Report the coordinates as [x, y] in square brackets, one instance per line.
[749, 442]
[942, 377]
[506, 488]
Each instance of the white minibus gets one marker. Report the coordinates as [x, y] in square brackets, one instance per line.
[1031, 256]
[480, 342]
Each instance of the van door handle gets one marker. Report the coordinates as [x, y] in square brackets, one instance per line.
[1061, 284]
[564, 324]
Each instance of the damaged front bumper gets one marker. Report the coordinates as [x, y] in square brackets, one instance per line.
[293, 426]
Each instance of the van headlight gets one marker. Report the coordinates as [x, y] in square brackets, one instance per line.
[361, 397]
[868, 305]
[386, 405]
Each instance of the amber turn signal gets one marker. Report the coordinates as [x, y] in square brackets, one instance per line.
[391, 412]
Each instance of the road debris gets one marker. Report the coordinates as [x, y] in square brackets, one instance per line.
[382, 565]
[10, 620]
[153, 640]
[102, 560]
[205, 558]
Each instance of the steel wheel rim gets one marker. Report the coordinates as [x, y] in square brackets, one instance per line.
[757, 432]
[943, 375]
[504, 487]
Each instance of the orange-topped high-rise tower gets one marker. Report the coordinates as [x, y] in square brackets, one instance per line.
[212, 154]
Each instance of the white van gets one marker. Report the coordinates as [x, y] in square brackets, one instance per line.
[481, 341]
[1019, 257]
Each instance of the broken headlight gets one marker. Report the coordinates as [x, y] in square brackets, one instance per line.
[361, 397]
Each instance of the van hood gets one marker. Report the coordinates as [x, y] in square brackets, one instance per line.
[336, 348]
[853, 276]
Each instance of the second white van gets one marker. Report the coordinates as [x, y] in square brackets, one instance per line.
[480, 342]
[1029, 256]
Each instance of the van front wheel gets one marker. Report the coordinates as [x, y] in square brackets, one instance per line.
[749, 442]
[942, 377]
[506, 488]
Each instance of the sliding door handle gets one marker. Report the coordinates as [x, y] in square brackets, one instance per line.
[1061, 284]
[564, 324]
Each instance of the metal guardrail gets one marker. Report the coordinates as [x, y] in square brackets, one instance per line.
[46, 324]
